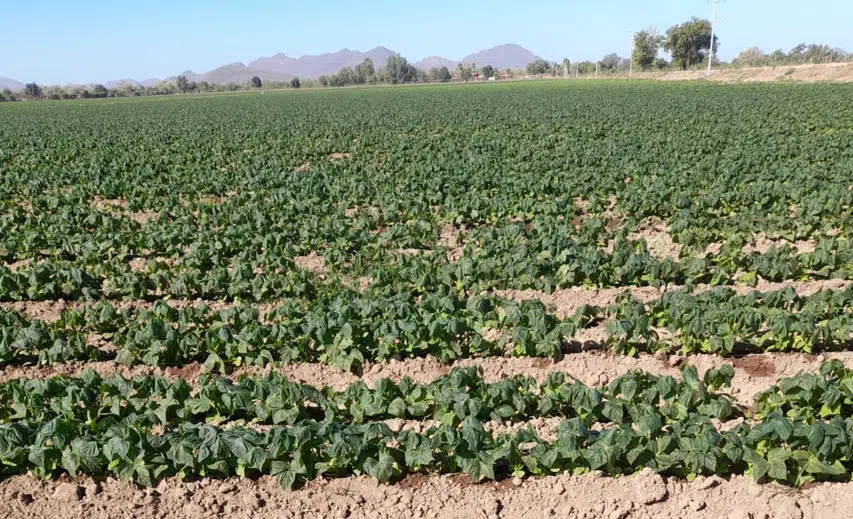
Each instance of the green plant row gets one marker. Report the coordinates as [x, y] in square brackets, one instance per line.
[53, 279]
[341, 331]
[810, 397]
[778, 449]
[501, 258]
[272, 399]
[347, 331]
[720, 321]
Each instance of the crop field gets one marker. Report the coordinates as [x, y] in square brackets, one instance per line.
[558, 299]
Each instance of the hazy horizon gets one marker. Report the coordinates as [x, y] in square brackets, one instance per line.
[65, 43]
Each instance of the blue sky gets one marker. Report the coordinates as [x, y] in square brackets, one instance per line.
[59, 41]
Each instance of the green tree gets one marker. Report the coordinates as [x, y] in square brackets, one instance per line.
[324, 80]
[444, 75]
[689, 42]
[99, 91]
[256, 82]
[346, 76]
[32, 90]
[586, 67]
[400, 71]
[751, 57]
[646, 45]
[182, 84]
[538, 67]
[488, 71]
[611, 62]
[364, 71]
[294, 83]
[466, 74]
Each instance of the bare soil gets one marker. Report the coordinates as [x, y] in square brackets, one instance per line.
[313, 263]
[566, 301]
[658, 239]
[451, 238]
[643, 495]
[18, 265]
[761, 244]
[830, 72]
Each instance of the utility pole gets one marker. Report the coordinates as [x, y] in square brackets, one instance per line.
[713, 29]
[596, 69]
[631, 59]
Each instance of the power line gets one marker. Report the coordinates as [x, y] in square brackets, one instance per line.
[713, 28]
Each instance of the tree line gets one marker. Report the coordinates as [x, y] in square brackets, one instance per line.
[688, 44]
[800, 55]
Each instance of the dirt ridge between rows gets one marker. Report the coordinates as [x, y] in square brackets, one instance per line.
[641, 496]
[564, 300]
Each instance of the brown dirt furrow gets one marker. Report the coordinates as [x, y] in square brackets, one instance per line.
[563, 302]
[104, 368]
[51, 311]
[761, 244]
[753, 373]
[644, 495]
[566, 301]
[544, 427]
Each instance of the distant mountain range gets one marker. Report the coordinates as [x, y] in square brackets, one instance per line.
[281, 67]
[502, 56]
[11, 84]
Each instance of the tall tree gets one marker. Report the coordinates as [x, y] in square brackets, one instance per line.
[294, 83]
[182, 84]
[439, 75]
[365, 70]
[400, 71]
[611, 62]
[689, 42]
[489, 71]
[646, 45]
[256, 82]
